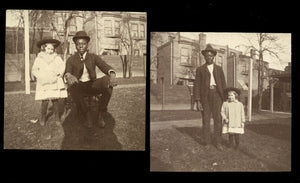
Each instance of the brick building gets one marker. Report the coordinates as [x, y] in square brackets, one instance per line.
[104, 28]
[110, 32]
[178, 57]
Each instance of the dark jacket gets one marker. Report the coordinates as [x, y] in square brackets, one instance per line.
[202, 82]
[74, 65]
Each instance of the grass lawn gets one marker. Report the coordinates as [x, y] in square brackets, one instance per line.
[124, 130]
[265, 146]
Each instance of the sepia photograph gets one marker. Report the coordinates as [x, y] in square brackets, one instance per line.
[220, 102]
[75, 80]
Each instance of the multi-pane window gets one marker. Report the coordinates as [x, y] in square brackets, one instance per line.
[136, 52]
[142, 31]
[244, 67]
[117, 27]
[107, 27]
[134, 30]
[184, 56]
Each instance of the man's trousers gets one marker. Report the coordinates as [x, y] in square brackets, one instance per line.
[212, 106]
[99, 86]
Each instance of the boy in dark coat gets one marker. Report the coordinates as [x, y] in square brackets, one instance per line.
[81, 78]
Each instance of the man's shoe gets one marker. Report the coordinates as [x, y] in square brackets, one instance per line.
[101, 122]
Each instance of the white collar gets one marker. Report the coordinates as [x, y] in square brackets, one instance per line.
[83, 56]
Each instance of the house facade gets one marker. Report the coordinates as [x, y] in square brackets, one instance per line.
[179, 57]
[112, 32]
[109, 36]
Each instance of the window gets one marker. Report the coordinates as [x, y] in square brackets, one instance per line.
[117, 27]
[245, 68]
[142, 31]
[136, 52]
[184, 56]
[134, 30]
[107, 27]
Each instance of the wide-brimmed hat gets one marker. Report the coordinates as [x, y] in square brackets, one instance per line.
[45, 40]
[82, 35]
[209, 48]
[238, 91]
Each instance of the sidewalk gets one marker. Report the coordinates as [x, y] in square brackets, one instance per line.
[157, 125]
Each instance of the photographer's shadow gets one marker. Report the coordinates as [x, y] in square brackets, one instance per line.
[78, 137]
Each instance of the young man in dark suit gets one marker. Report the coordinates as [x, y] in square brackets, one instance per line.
[209, 93]
[81, 77]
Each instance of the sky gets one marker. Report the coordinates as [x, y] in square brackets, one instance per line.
[235, 39]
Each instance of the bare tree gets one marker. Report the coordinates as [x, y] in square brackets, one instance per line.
[265, 43]
[67, 17]
[20, 18]
[40, 20]
[128, 42]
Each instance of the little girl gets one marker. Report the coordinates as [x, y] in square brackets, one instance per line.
[49, 68]
[233, 116]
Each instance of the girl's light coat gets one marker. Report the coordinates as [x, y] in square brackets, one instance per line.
[49, 70]
[234, 112]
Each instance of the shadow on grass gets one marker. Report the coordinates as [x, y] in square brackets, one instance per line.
[196, 133]
[278, 131]
[78, 137]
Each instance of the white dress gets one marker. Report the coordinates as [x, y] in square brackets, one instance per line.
[234, 112]
[49, 69]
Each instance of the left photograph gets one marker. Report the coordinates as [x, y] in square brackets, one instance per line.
[75, 80]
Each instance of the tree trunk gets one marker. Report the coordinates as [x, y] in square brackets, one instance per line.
[130, 67]
[33, 38]
[260, 81]
[124, 65]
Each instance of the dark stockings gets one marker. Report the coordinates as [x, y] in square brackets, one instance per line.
[234, 137]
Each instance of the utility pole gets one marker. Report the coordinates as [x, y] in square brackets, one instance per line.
[249, 112]
[26, 37]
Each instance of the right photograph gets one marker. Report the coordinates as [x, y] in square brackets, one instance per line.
[220, 101]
